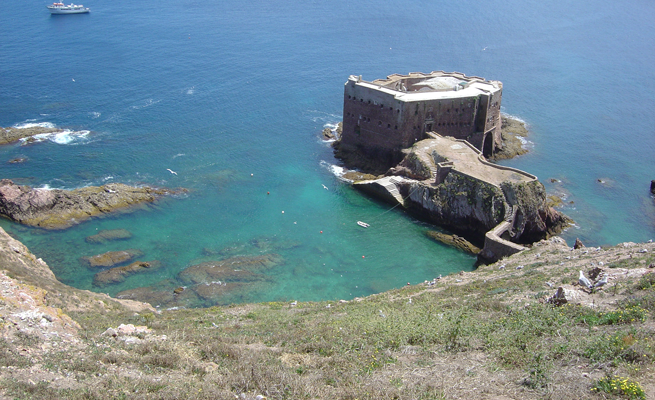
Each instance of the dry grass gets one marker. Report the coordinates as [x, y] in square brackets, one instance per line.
[489, 336]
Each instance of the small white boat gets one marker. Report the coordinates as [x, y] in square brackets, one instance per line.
[363, 224]
[61, 8]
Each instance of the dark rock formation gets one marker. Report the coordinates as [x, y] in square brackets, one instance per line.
[578, 244]
[112, 258]
[327, 134]
[17, 160]
[109, 235]
[512, 146]
[9, 135]
[119, 274]
[60, 209]
[652, 186]
[447, 182]
[454, 241]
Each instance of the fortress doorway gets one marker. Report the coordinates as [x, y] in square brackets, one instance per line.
[488, 145]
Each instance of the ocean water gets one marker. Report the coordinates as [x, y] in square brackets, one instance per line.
[233, 96]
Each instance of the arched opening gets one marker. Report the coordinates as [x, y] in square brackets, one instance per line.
[488, 145]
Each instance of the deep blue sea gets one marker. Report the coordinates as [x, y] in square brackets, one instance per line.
[233, 96]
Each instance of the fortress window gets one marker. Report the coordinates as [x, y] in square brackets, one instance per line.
[381, 105]
[349, 97]
[361, 100]
[389, 126]
[379, 123]
[369, 102]
[368, 120]
[395, 127]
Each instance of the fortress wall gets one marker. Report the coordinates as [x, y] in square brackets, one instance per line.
[371, 122]
[377, 123]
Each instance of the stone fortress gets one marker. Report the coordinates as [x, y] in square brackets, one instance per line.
[382, 117]
[427, 137]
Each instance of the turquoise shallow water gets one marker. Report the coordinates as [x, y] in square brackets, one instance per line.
[218, 91]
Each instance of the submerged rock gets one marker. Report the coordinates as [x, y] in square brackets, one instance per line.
[119, 274]
[112, 258]
[216, 291]
[109, 235]
[235, 269]
[60, 209]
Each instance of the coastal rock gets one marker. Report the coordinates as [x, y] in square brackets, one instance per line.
[60, 209]
[578, 244]
[235, 269]
[17, 160]
[327, 134]
[112, 258]
[454, 241]
[450, 184]
[9, 135]
[652, 186]
[109, 235]
[119, 274]
[512, 130]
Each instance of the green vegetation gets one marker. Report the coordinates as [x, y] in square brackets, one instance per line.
[493, 331]
[620, 386]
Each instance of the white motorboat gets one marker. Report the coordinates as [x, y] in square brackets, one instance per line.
[363, 224]
[61, 8]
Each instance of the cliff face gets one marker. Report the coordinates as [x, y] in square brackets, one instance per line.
[449, 183]
[459, 203]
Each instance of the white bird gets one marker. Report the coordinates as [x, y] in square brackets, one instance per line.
[324, 187]
[601, 282]
[583, 281]
[73, 79]
[171, 171]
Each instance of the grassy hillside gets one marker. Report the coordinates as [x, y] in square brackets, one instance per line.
[488, 334]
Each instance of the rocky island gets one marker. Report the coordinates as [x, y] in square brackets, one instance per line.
[10, 135]
[60, 209]
[427, 137]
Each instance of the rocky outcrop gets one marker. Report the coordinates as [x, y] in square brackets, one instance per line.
[455, 241]
[20, 267]
[119, 274]
[449, 183]
[9, 135]
[60, 209]
[512, 130]
[112, 258]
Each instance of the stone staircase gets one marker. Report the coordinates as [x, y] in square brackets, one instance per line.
[389, 184]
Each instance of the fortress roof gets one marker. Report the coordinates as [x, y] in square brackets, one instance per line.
[418, 86]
